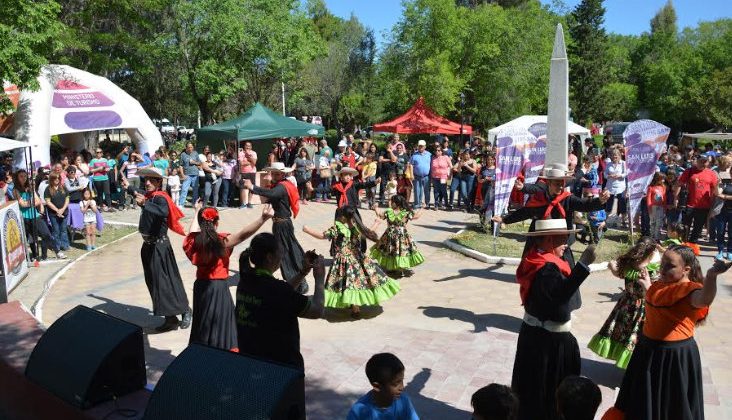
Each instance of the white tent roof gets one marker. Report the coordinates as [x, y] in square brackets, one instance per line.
[710, 136]
[529, 120]
[7, 144]
[72, 101]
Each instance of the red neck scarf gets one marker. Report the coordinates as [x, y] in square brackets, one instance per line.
[531, 264]
[343, 200]
[293, 195]
[174, 213]
[540, 200]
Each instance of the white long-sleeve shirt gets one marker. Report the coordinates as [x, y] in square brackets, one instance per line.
[615, 185]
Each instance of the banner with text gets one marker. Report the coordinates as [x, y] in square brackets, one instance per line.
[535, 153]
[511, 145]
[644, 140]
[12, 243]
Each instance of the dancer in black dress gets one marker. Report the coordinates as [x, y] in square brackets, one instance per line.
[547, 352]
[284, 199]
[162, 277]
[214, 323]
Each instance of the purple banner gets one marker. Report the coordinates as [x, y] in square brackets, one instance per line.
[645, 140]
[511, 145]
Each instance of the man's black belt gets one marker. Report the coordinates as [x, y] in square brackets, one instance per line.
[150, 239]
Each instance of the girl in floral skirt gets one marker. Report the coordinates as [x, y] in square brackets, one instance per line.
[396, 251]
[618, 336]
[354, 280]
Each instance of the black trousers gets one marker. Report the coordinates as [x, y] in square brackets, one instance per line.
[697, 217]
[41, 228]
[102, 187]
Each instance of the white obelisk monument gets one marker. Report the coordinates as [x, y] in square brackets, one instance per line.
[558, 114]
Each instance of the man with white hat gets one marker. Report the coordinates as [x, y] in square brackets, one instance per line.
[550, 199]
[162, 277]
[421, 161]
[546, 350]
[285, 202]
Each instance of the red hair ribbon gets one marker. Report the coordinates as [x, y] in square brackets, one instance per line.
[210, 214]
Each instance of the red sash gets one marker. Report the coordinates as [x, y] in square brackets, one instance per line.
[174, 213]
[539, 200]
[342, 200]
[531, 264]
[293, 195]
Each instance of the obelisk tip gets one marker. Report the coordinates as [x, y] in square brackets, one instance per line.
[560, 50]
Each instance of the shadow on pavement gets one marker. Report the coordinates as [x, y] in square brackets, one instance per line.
[324, 403]
[429, 408]
[480, 322]
[335, 315]
[603, 373]
[612, 297]
[130, 313]
[432, 244]
[482, 273]
[443, 228]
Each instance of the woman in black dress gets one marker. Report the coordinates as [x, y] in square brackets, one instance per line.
[209, 250]
[547, 352]
[162, 277]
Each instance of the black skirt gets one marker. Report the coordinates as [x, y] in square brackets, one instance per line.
[214, 323]
[543, 360]
[663, 381]
[163, 278]
[292, 253]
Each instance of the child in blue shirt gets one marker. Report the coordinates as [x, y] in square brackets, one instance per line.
[596, 218]
[385, 401]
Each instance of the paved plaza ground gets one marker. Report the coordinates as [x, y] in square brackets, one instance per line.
[454, 324]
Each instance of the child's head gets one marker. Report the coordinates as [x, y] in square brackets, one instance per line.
[590, 192]
[399, 202]
[671, 176]
[86, 195]
[637, 256]
[350, 216]
[587, 161]
[494, 402]
[676, 230]
[578, 398]
[392, 176]
[386, 375]
[369, 157]
[658, 178]
[346, 174]
[678, 263]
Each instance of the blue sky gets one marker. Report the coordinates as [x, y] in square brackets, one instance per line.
[621, 16]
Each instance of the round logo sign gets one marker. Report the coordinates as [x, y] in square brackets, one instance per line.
[13, 242]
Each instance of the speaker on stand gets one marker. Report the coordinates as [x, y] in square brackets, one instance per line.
[87, 357]
[208, 383]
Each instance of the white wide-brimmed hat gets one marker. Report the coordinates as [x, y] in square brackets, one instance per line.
[150, 173]
[551, 227]
[277, 167]
[348, 170]
[556, 171]
[342, 143]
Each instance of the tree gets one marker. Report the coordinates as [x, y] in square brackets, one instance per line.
[30, 32]
[587, 55]
[664, 22]
[617, 101]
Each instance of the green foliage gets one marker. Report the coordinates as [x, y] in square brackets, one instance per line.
[30, 32]
[617, 101]
[588, 55]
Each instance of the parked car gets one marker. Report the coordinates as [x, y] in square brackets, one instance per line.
[183, 129]
[616, 131]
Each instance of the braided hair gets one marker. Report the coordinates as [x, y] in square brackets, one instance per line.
[208, 241]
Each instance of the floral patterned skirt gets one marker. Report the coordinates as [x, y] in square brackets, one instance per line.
[396, 250]
[618, 336]
[357, 280]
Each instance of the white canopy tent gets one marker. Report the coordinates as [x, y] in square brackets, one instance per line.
[71, 101]
[7, 144]
[529, 120]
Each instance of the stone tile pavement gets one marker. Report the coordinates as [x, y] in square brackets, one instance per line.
[454, 324]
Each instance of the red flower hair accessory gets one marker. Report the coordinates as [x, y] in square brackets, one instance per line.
[210, 214]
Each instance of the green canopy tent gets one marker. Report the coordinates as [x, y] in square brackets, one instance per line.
[258, 123]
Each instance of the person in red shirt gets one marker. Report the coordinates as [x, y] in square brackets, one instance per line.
[214, 321]
[656, 203]
[701, 183]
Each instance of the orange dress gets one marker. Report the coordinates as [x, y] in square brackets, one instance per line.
[663, 379]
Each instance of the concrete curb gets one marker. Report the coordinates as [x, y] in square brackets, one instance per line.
[492, 259]
[37, 308]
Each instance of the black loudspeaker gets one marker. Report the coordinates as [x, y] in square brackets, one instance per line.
[87, 357]
[208, 383]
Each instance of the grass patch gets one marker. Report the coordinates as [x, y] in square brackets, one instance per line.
[110, 233]
[510, 242]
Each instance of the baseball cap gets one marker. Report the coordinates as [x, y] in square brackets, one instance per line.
[421, 143]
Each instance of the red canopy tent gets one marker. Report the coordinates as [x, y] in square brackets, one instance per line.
[421, 119]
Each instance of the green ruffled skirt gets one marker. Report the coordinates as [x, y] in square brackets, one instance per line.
[609, 349]
[355, 279]
[396, 262]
